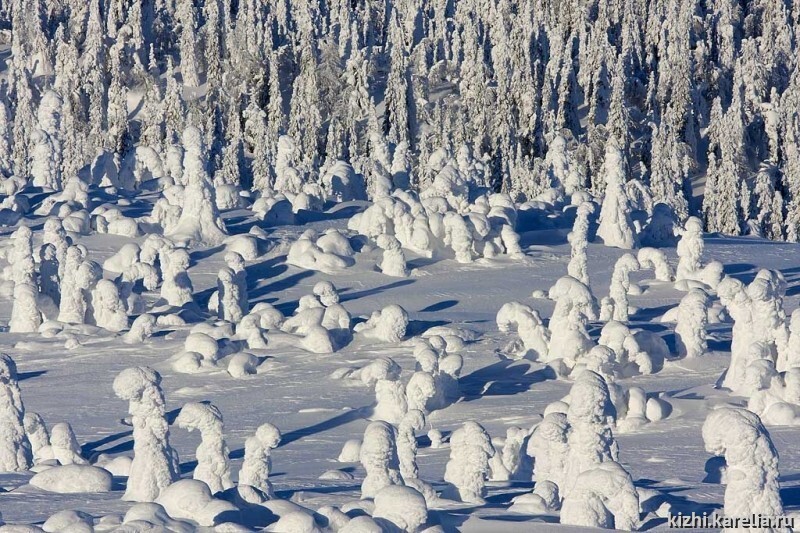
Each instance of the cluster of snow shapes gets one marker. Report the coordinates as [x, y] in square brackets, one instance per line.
[210, 498]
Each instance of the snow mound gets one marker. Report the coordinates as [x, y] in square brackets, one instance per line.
[74, 478]
[192, 500]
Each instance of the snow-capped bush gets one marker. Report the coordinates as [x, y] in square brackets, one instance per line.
[154, 461]
[36, 430]
[141, 329]
[72, 479]
[402, 507]
[257, 463]
[468, 467]
[15, 448]
[534, 335]
[655, 259]
[420, 391]
[307, 252]
[604, 497]
[213, 467]
[738, 435]
[387, 325]
[378, 456]
[393, 262]
[64, 446]
[383, 373]
[191, 499]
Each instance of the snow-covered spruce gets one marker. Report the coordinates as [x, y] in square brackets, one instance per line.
[616, 227]
[752, 486]
[199, 221]
[154, 461]
[213, 465]
[466, 471]
[579, 241]
[15, 448]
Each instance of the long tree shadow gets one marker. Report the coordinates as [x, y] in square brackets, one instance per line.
[22, 376]
[376, 290]
[339, 420]
[503, 378]
[127, 445]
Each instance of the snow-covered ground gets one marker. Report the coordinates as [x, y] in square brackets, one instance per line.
[317, 413]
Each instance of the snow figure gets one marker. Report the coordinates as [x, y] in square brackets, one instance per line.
[458, 236]
[235, 262]
[177, 286]
[25, 314]
[752, 462]
[257, 463]
[384, 374]
[327, 293]
[420, 390]
[413, 421]
[657, 260]
[379, 458]
[15, 448]
[109, 310]
[528, 324]
[690, 330]
[659, 232]
[589, 439]
[141, 329]
[603, 497]
[572, 297]
[548, 447]
[393, 262]
[387, 325]
[36, 430]
[213, 465]
[155, 463]
[616, 227]
[629, 356]
[621, 285]
[404, 509]
[579, 241]
[229, 290]
[470, 451]
[690, 250]
[200, 221]
[514, 459]
[64, 446]
[510, 240]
